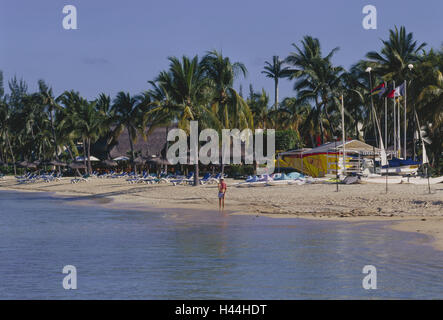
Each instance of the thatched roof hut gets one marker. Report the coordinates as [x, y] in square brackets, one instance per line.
[155, 144]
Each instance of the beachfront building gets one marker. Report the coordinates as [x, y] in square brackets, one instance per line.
[329, 158]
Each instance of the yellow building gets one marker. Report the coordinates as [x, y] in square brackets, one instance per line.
[328, 158]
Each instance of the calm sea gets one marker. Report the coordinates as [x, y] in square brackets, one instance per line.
[183, 254]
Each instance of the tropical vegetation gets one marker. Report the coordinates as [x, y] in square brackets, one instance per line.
[40, 126]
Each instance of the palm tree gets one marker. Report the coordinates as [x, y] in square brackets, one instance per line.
[51, 105]
[317, 80]
[89, 126]
[164, 111]
[395, 56]
[5, 117]
[68, 126]
[110, 136]
[292, 114]
[427, 92]
[397, 53]
[230, 107]
[276, 71]
[191, 94]
[129, 115]
[259, 104]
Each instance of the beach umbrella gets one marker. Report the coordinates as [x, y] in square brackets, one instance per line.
[159, 161]
[121, 158]
[58, 163]
[26, 164]
[139, 161]
[81, 158]
[76, 165]
[30, 165]
[110, 163]
[22, 164]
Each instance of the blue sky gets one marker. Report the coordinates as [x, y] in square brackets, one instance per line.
[120, 45]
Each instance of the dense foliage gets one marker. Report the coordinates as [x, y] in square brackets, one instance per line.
[42, 126]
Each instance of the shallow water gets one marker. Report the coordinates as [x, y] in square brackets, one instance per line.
[128, 254]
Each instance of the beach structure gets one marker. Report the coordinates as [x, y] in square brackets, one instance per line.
[327, 159]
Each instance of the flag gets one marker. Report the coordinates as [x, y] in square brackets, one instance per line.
[397, 92]
[380, 90]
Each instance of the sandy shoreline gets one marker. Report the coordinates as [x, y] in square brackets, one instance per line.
[409, 206]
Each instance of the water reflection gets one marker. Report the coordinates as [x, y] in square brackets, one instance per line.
[184, 254]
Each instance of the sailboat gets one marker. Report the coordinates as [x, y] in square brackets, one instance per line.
[401, 167]
[422, 180]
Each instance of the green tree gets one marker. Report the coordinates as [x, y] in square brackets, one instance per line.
[275, 70]
[316, 80]
[191, 92]
[129, 112]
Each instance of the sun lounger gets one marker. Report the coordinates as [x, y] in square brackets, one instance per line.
[81, 179]
[183, 180]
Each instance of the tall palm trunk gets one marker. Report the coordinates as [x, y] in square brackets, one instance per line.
[167, 146]
[322, 131]
[196, 174]
[276, 94]
[54, 136]
[318, 106]
[196, 168]
[73, 159]
[12, 153]
[328, 117]
[85, 156]
[132, 151]
[89, 156]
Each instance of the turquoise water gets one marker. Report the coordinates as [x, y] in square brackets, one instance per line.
[129, 254]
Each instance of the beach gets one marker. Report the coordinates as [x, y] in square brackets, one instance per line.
[409, 207]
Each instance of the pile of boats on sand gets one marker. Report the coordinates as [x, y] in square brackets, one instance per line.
[376, 178]
[293, 178]
[296, 178]
[399, 171]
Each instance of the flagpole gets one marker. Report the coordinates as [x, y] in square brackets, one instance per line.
[410, 67]
[368, 70]
[386, 120]
[386, 137]
[343, 132]
[399, 144]
[395, 124]
[405, 129]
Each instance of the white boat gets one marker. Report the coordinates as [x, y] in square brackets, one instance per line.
[297, 182]
[402, 170]
[243, 185]
[278, 182]
[258, 183]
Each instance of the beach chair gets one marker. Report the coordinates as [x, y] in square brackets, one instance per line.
[206, 178]
[84, 178]
[183, 180]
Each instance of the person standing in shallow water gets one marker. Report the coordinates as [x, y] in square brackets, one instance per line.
[222, 187]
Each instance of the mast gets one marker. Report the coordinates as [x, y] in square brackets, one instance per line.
[399, 144]
[386, 119]
[343, 132]
[405, 128]
[395, 126]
